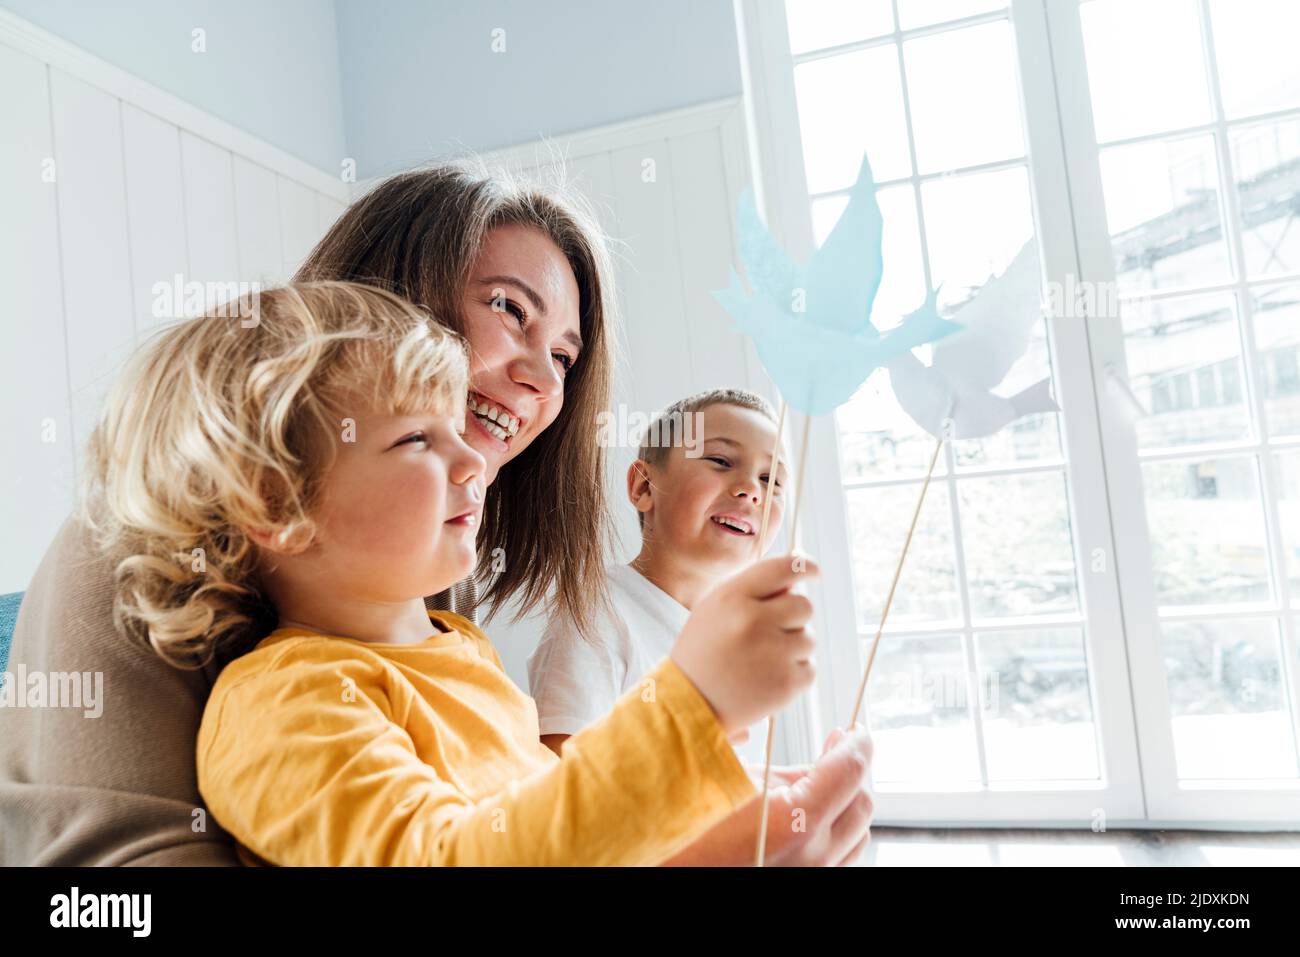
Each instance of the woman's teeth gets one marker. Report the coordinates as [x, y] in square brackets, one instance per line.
[497, 422]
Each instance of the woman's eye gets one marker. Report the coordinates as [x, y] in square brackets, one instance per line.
[716, 458]
[499, 303]
[565, 362]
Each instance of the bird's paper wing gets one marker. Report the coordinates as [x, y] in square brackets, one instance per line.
[844, 274]
[998, 322]
[819, 350]
[920, 393]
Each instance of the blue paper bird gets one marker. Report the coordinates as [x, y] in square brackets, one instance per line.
[812, 324]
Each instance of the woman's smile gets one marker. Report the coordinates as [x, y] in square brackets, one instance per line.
[493, 417]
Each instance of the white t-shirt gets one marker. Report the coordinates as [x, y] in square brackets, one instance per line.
[576, 680]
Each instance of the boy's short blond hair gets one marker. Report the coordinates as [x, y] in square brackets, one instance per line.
[230, 421]
[664, 429]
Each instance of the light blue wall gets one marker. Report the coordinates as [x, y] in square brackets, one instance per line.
[271, 66]
[420, 77]
[391, 83]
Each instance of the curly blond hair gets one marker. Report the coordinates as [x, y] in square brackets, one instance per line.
[229, 421]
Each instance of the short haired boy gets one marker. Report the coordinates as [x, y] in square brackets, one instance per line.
[700, 504]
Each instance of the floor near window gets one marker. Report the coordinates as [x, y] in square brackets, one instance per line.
[935, 847]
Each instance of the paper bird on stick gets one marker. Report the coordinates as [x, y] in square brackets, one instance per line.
[957, 386]
[812, 324]
[812, 328]
[953, 398]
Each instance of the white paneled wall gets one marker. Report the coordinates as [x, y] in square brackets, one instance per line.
[109, 186]
[155, 190]
[35, 418]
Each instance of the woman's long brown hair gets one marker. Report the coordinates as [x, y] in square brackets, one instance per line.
[418, 234]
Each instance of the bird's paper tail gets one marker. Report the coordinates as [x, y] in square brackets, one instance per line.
[1037, 398]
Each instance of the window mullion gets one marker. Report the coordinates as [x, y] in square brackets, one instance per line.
[1109, 530]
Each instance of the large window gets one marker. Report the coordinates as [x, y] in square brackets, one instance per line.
[1098, 611]
[1196, 107]
[985, 675]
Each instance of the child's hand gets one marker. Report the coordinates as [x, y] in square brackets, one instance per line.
[747, 646]
[836, 805]
[829, 799]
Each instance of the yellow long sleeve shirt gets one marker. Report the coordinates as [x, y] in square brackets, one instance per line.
[318, 750]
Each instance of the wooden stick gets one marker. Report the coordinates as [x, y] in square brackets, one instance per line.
[898, 572]
[760, 849]
[771, 477]
[758, 553]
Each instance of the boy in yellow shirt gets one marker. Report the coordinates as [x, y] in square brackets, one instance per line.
[308, 475]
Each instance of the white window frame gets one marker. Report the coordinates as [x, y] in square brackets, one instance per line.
[1138, 784]
[1232, 804]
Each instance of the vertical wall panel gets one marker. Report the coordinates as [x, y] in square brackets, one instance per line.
[209, 212]
[649, 275]
[155, 211]
[299, 223]
[257, 223]
[94, 242]
[35, 417]
[704, 258]
[327, 212]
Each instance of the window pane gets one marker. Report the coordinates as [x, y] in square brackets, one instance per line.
[1207, 531]
[1146, 66]
[921, 13]
[1162, 209]
[1019, 555]
[919, 708]
[1288, 508]
[1277, 343]
[965, 103]
[974, 226]
[1184, 365]
[817, 24]
[850, 105]
[1038, 721]
[902, 288]
[878, 522]
[1254, 47]
[1266, 163]
[1228, 700]
[878, 439]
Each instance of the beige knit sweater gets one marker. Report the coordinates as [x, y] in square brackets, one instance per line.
[119, 788]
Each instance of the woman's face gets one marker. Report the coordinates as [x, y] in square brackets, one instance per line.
[520, 316]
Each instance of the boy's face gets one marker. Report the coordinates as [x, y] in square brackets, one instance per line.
[398, 510]
[706, 511]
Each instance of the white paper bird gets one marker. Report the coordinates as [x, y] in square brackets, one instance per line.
[967, 366]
